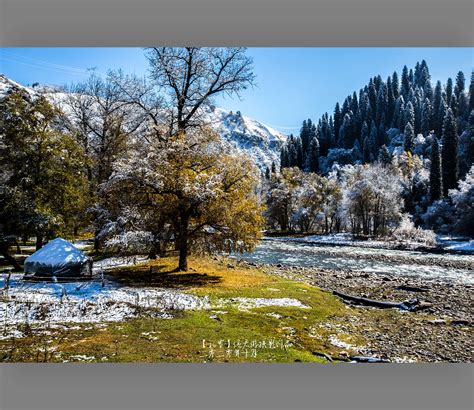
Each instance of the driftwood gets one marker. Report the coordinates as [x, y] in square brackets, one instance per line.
[410, 305]
[358, 359]
[368, 359]
[409, 288]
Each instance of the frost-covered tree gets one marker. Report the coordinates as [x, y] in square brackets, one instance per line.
[463, 201]
[384, 158]
[372, 196]
[206, 189]
[409, 139]
[100, 116]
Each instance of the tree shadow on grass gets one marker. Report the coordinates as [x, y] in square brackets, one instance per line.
[161, 277]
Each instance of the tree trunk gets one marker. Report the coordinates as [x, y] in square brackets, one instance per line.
[183, 243]
[11, 260]
[96, 240]
[39, 241]
[155, 249]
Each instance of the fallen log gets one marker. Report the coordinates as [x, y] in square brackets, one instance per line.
[409, 288]
[410, 305]
[368, 359]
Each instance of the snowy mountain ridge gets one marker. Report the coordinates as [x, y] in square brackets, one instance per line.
[257, 140]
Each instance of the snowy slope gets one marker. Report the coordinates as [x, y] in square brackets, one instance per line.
[261, 142]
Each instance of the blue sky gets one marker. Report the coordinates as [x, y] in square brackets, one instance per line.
[293, 83]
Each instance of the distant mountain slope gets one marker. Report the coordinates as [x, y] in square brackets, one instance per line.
[259, 141]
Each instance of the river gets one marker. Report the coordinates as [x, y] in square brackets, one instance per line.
[365, 259]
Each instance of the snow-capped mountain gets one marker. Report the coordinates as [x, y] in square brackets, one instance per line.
[259, 141]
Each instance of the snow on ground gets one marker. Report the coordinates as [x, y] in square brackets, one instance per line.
[103, 300]
[249, 303]
[117, 261]
[88, 302]
[340, 343]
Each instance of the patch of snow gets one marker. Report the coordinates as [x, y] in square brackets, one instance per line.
[84, 302]
[250, 303]
[118, 261]
[340, 343]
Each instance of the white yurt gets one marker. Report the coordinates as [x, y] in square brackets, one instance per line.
[60, 259]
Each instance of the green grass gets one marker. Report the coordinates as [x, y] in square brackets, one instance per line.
[269, 334]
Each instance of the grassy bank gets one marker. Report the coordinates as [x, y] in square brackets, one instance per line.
[225, 333]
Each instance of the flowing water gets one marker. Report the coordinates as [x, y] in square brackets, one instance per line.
[339, 257]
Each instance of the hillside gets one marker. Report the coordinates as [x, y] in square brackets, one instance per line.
[259, 141]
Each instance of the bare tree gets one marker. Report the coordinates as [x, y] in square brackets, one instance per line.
[99, 114]
[191, 76]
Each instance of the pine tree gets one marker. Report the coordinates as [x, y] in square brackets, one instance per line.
[449, 153]
[440, 117]
[471, 93]
[313, 156]
[384, 157]
[460, 84]
[428, 91]
[381, 135]
[367, 150]
[449, 91]
[395, 85]
[267, 173]
[372, 96]
[409, 115]
[373, 139]
[405, 85]
[299, 153]
[273, 167]
[424, 75]
[390, 101]
[337, 121]
[470, 145]
[437, 100]
[347, 131]
[292, 155]
[454, 105]
[382, 101]
[463, 109]
[364, 132]
[409, 143]
[304, 134]
[426, 113]
[284, 159]
[436, 185]
[398, 115]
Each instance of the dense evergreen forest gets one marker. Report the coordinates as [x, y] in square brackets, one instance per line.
[416, 133]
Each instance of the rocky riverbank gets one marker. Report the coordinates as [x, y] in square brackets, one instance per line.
[441, 331]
